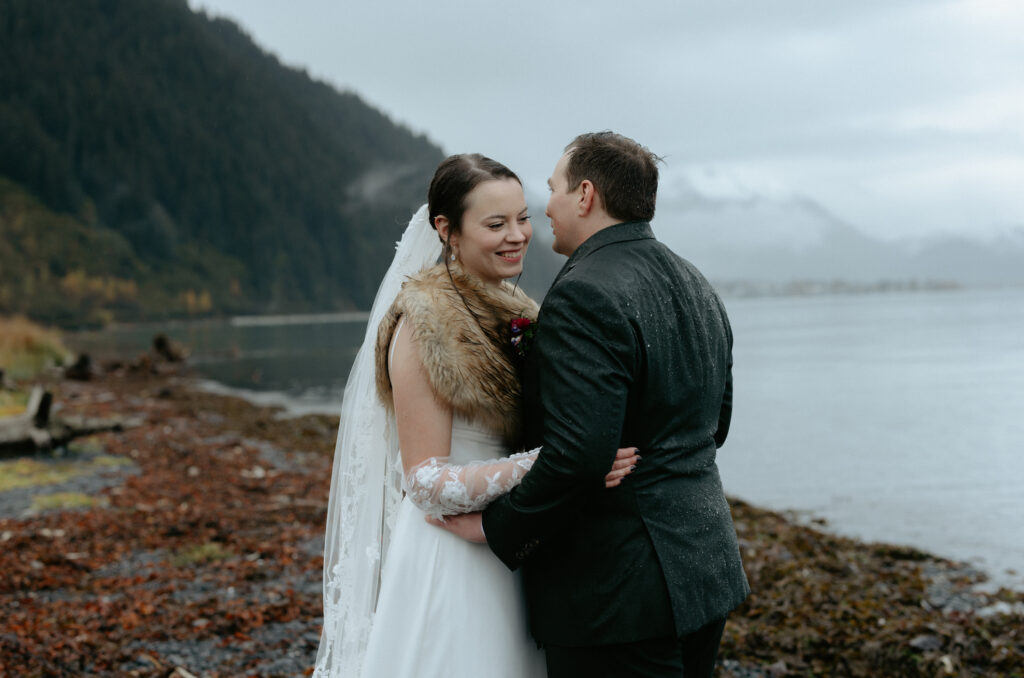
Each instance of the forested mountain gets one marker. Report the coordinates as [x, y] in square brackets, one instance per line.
[154, 161]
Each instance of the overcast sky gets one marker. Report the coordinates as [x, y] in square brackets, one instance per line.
[903, 118]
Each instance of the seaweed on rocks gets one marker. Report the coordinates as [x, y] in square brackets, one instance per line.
[203, 558]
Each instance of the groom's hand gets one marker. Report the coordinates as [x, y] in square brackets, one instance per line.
[469, 526]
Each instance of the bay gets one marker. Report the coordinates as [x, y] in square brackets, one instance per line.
[895, 417]
[298, 362]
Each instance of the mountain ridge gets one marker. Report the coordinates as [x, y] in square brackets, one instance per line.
[231, 178]
[771, 243]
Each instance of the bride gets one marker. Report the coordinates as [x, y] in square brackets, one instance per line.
[439, 430]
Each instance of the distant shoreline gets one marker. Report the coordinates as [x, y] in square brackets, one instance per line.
[813, 287]
[732, 289]
[249, 320]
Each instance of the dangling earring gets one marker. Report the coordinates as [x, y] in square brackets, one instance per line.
[453, 256]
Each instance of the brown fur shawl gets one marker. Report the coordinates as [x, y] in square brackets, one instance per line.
[469, 364]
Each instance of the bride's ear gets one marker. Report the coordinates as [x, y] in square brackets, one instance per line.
[443, 227]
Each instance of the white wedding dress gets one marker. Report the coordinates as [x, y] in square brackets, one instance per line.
[435, 605]
[449, 608]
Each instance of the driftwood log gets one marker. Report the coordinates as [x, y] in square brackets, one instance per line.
[168, 349]
[81, 369]
[35, 430]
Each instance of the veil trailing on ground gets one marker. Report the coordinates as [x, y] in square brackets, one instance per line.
[366, 484]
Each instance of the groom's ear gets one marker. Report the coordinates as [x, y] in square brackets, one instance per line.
[586, 201]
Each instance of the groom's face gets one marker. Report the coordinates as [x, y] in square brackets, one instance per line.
[562, 209]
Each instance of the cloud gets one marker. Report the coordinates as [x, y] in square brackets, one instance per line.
[901, 117]
[733, 233]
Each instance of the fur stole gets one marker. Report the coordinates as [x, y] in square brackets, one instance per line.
[469, 363]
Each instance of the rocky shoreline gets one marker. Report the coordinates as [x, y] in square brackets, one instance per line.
[825, 605]
[190, 545]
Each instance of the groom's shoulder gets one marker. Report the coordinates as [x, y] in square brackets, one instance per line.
[598, 281]
[629, 269]
[581, 279]
[587, 284]
[620, 261]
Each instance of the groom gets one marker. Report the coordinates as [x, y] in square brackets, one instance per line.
[633, 348]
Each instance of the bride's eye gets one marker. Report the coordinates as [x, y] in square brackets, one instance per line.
[497, 225]
[524, 218]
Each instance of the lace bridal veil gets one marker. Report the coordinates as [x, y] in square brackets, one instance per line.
[366, 483]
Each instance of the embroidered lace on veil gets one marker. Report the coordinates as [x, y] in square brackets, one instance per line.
[366, 483]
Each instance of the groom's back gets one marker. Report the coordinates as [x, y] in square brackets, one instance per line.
[657, 555]
[685, 344]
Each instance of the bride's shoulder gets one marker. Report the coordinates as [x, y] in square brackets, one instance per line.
[431, 275]
[419, 308]
[427, 304]
[426, 282]
[423, 292]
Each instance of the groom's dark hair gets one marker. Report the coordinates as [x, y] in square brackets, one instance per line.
[624, 173]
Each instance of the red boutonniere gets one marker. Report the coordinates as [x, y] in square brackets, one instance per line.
[522, 335]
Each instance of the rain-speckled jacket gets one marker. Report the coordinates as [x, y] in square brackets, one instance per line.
[633, 347]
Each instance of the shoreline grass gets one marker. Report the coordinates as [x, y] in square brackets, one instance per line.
[27, 349]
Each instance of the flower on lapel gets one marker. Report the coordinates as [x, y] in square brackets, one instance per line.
[522, 334]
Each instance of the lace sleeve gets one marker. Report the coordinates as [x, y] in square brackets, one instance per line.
[442, 488]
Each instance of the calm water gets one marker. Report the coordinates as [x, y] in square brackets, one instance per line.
[896, 417]
[300, 362]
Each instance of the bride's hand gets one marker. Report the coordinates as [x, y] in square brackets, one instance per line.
[625, 461]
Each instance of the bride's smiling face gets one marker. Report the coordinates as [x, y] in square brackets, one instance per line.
[495, 231]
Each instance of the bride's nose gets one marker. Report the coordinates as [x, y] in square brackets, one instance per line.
[517, 233]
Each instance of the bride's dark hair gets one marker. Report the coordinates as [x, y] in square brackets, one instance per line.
[454, 179]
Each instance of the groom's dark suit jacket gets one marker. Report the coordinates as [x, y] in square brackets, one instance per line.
[633, 347]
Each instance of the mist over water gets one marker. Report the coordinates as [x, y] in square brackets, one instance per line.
[896, 417]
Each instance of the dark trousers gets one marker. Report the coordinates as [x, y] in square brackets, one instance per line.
[692, 656]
